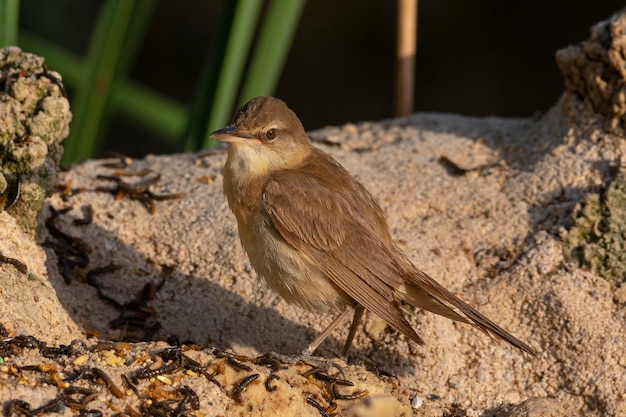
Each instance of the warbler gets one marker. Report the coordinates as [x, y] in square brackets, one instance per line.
[317, 236]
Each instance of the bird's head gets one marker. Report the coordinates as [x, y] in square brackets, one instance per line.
[265, 136]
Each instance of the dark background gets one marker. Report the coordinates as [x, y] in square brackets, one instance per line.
[477, 58]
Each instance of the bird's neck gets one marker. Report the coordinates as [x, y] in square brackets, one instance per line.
[245, 172]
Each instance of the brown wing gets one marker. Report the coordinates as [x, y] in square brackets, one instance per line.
[337, 230]
[338, 225]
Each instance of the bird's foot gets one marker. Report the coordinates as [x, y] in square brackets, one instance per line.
[274, 359]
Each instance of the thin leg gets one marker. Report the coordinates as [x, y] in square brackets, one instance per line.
[326, 332]
[356, 320]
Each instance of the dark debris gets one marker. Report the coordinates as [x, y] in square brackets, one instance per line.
[137, 320]
[19, 265]
[139, 190]
[152, 386]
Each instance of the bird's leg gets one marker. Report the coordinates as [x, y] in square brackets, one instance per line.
[326, 332]
[305, 355]
[356, 320]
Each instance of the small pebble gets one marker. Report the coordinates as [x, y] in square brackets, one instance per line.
[80, 360]
[115, 361]
[416, 402]
[164, 379]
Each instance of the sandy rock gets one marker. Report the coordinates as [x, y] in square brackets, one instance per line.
[35, 116]
[596, 68]
[156, 379]
[539, 407]
[147, 249]
[28, 301]
[493, 235]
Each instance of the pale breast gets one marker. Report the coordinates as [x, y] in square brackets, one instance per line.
[296, 278]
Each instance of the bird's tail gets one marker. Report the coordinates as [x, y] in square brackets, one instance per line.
[424, 292]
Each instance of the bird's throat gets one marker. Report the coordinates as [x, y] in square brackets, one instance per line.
[244, 175]
[247, 162]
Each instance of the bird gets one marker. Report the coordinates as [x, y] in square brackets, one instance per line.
[317, 236]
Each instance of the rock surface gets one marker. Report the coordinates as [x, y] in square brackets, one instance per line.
[34, 119]
[488, 207]
[596, 69]
[491, 228]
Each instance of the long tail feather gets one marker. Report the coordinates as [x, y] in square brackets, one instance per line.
[428, 294]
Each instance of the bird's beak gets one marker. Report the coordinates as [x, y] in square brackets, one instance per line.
[229, 134]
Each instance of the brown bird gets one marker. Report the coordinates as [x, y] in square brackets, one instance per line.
[317, 236]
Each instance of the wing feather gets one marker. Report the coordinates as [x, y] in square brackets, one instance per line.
[337, 224]
[328, 228]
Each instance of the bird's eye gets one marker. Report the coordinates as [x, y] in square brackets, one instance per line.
[270, 134]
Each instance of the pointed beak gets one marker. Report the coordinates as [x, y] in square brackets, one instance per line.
[229, 134]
